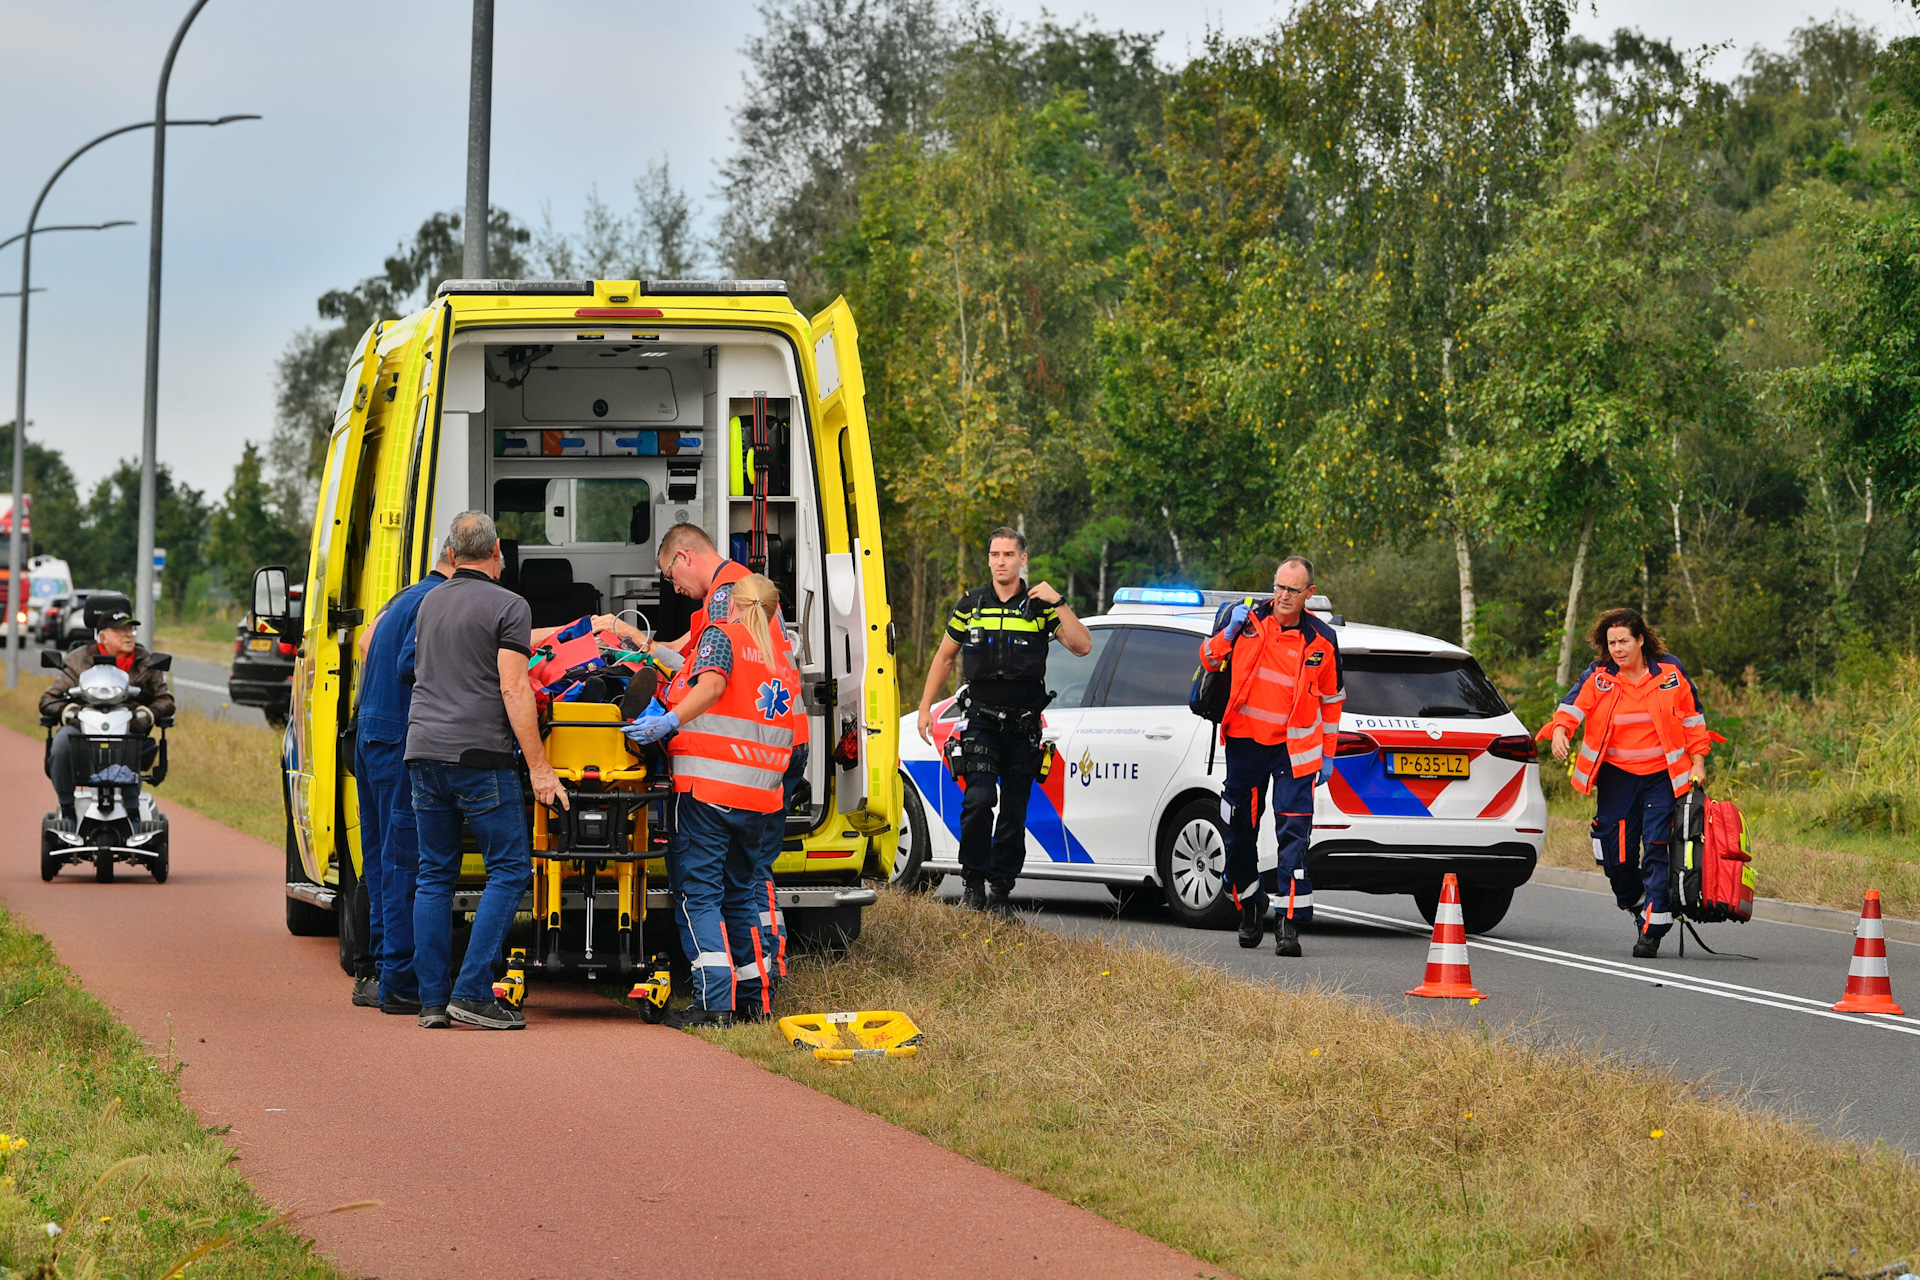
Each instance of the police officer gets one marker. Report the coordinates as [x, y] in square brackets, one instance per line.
[1003, 629]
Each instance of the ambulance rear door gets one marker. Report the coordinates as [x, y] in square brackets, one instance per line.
[863, 733]
[315, 784]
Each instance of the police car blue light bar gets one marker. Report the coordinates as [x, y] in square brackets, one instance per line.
[1189, 597]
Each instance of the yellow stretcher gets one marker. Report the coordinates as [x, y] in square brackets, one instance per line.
[853, 1037]
[597, 847]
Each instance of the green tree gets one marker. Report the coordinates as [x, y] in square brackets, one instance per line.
[1600, 344]
[246, 532]
[56, 515]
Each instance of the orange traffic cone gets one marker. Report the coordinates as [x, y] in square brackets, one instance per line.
[1447, 972]
[1867, 989]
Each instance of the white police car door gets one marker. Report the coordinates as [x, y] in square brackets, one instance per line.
[1131, 745]
[1073, 680]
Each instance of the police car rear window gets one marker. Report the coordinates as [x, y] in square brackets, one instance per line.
[1386, 684]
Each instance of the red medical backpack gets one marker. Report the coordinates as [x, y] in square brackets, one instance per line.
[1712, 864]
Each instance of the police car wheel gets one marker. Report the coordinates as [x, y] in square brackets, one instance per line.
[1193, 866]
[1480, 908]
[910, 856]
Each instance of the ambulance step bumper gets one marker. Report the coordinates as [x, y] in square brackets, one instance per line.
[827, 897]
[307, 891]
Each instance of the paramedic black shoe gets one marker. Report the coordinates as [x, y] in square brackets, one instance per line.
[488, 1015]
[434, 1018]
[366, 993]
[1000, 899]
[1252, 927]
[1646, 948]
[694, 1016]
[974, 896]
[1285, 941]
[398, 1005]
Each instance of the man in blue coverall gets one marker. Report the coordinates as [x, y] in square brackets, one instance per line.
[389, 840]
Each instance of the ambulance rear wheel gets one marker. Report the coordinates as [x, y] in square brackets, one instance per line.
[304, 920]
[1193, 866]
[910, 856]
[1482, 909]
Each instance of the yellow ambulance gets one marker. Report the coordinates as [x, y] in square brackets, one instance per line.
[587, 417]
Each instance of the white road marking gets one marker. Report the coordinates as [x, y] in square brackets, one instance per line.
[201, 684]
[1640, 973]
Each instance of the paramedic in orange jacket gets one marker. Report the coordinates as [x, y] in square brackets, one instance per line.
[1643, 744]
[1283, 713]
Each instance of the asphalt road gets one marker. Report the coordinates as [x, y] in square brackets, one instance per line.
[1558, 969]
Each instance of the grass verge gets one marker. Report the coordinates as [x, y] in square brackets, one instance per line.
[81, 1096]
[229, 772]
[1279, 1133]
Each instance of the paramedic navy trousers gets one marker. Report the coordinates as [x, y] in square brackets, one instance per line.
[713, 871]
[389, 859]
[1632, 825]
[1256, 773]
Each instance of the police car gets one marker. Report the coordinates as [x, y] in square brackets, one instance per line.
[1433, 772]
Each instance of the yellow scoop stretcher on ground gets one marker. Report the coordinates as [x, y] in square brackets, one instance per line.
[852, 1037]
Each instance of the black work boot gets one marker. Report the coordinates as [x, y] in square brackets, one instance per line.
[1286, 942]
[974, 896]
[1000, 897]
[366, 992]
[1252, 924]
[1646, 947]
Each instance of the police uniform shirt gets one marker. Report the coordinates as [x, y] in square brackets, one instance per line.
[1003, 646]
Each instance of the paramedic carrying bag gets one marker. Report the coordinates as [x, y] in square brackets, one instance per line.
[1710, 860]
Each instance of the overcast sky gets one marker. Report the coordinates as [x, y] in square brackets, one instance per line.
[364, 135]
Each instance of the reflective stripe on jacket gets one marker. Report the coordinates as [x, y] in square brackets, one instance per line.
[1287, 685]
[1678, 722]
[735, 753]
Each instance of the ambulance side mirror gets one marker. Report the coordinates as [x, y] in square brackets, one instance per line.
[272, 600]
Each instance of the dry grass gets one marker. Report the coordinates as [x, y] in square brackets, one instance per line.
[83, 1095]
[229, 772]
[1275, 1133]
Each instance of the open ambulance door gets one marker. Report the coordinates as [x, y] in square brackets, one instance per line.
[863, 738]
[314, 784]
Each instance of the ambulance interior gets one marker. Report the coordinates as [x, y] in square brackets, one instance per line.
[587, 447]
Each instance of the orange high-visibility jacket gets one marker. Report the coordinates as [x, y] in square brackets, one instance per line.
[1287, 685]
[1678, 723]
[735, 753]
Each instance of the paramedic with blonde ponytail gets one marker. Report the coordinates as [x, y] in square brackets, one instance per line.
[731, 712]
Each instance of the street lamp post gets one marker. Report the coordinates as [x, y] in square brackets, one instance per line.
[150, 419]
[473, 252]
[20, 383]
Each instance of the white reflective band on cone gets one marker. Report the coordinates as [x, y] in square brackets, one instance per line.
[1868, 967]
[1870, 927]
[1449, 913]
[1448, 953]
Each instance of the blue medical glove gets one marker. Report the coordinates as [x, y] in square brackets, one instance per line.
[1236, 621]
[652, 728]
[1326, 772]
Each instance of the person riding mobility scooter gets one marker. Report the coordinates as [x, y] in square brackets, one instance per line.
[100, 714]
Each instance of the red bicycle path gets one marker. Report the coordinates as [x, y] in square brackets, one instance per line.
[587, 1145]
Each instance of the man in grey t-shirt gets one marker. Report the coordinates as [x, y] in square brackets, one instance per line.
[472, 701]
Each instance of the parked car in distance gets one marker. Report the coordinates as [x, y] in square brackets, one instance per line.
[50, 618]
[262, 673]
[1432, 773]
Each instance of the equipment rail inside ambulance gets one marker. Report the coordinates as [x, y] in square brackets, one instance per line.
[587, 417]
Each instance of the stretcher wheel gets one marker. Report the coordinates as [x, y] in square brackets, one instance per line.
[652, 1014]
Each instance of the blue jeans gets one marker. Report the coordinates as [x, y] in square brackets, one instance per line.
[1256, 771]
[1632, 827]
[714, 872]
[389, 860]
[494, 807]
